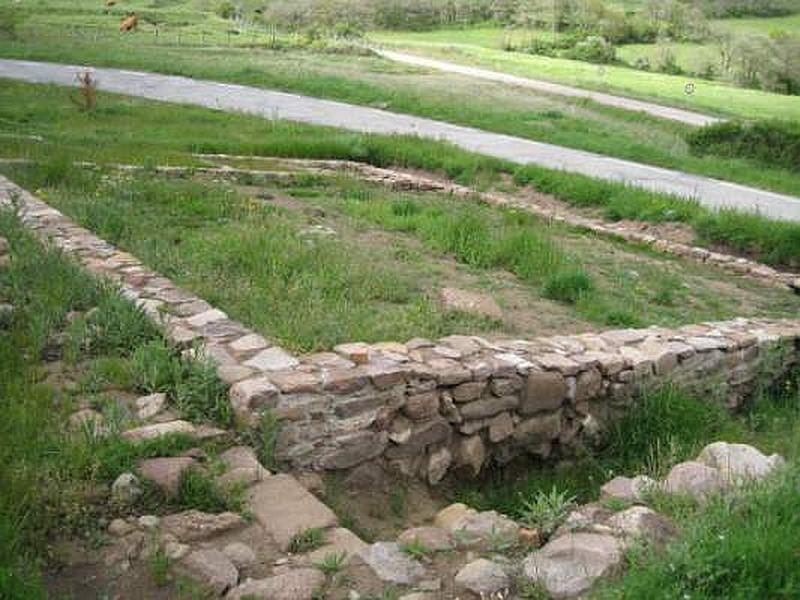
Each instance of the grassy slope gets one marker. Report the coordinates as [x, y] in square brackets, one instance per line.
[709, 97]
[54, 483]
[164, 134]
[372, 81]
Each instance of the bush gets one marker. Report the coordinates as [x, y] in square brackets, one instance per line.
[773, 142]
[568, 285]
[594, 49]
[226, 10]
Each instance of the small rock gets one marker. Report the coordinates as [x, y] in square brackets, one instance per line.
[149, 521]
[149, 432]
[454, 299]
[194, 525]
[693, 479]
[434, 539]
[211, 568]
[86, 420]
[568, 566]
[338, 541]
[312, 481]
[391, 564]
[482, 577]
[126, 489]
[242, 467]
[240, 554]
[588, 517]
[175, 550]
[166, 472]
[119, 528]
[298, 584]
[148, 407]
[470, 527]
[627, 489]
[642, 523]
[438, 463]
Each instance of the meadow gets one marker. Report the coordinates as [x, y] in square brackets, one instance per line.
[372, 81]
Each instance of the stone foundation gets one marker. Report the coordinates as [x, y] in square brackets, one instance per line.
[429, 408]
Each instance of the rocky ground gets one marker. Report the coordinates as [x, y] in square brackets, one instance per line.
[287, 544]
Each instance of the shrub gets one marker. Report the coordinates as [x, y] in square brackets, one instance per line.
[594, 49]
[226, 10]
[773, 142]
[568, 285]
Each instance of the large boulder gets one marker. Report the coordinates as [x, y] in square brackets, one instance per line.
[211, 568]
[298, 584]
[693, 479]
[567, 566]
[738, 463]
[470, 527]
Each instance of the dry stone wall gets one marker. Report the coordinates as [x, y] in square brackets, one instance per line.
[430, 407]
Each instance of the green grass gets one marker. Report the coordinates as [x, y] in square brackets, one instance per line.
[735, 549]
[307, 540]
[376, 82]
[376, 277]
[163, 134]
[665, 426]
[710, 96]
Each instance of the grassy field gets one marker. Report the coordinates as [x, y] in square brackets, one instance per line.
[167, 134]
[375, 82]
[710, 97]
[350, 261]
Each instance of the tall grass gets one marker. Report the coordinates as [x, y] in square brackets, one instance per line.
[49, 476]
[480, 237]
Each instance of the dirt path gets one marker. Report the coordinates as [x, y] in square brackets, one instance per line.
[278, 105]
[657, 110]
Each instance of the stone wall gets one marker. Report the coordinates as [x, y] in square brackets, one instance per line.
[461, 402]
[428, 407]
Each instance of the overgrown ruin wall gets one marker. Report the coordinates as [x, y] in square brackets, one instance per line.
[430, 407]
[462, 402]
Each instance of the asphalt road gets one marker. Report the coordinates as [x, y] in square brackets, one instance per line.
[278, 105]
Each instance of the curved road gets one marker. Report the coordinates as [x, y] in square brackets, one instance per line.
[657, 110]
[279, 105]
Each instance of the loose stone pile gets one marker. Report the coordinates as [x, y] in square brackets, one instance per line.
[462, 554]
[428, 407]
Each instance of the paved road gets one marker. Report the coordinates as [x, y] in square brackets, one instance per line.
[657, 110]
[278, 105]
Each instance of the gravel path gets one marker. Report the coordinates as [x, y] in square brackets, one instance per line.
[657, 110]
[278, 105]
